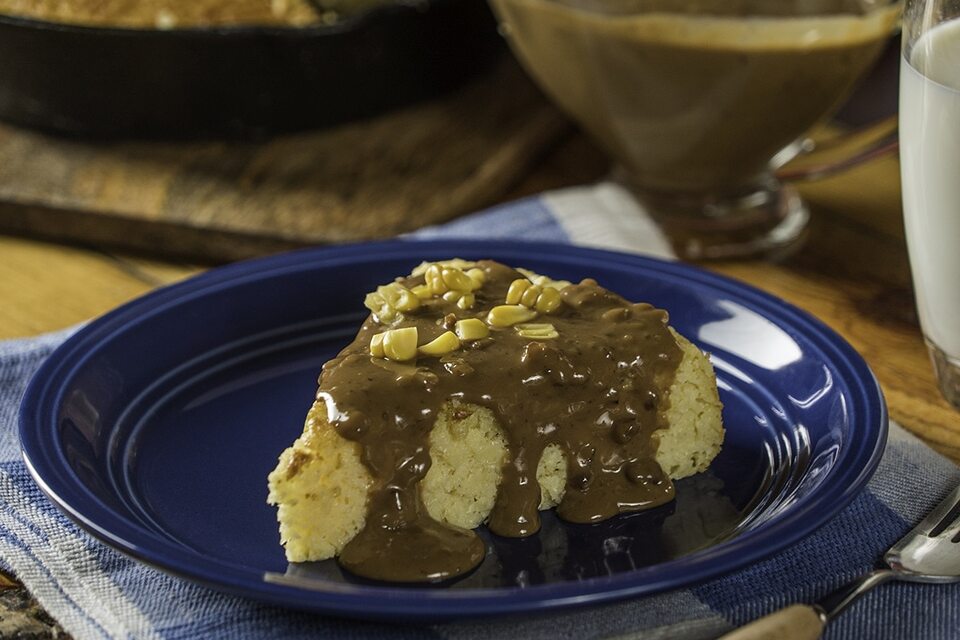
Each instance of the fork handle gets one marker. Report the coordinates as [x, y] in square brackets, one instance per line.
[832, 604]
[806, 622]
[796, 622]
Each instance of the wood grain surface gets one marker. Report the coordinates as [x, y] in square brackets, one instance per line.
[224, 201]
[852, 273]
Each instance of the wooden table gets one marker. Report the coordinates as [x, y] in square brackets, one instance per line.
[853, 274]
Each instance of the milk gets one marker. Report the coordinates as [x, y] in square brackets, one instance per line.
[930, 169]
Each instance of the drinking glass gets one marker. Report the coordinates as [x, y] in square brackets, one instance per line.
[930, 172]
[699, 100]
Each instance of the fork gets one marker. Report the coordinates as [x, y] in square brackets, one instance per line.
[929, 553]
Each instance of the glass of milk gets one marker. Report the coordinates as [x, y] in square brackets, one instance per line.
[930, 170]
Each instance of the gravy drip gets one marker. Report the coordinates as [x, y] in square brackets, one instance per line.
[597, 391]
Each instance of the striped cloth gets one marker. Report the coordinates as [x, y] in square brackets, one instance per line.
[95, 592]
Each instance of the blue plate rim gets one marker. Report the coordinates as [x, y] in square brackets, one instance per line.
[857, 462]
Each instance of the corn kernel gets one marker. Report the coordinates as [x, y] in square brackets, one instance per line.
[529, 297]
[443, 277]
[400, 344]
[530, 275]
[434, 279]
[459, 263]
[471, 329]
[442, 344]
[376, 345]
[373, 301]
[420, 269]
[389, 300]
[544, 299]
[399, 297]
[381, 309]
[478, 275]
[466, 301]
[543, 281]
[422, 291]
[507, 315]
[515, 292]
[452, 296]
[389, 293]
[544, 331]
[457, 280]
[548, 301]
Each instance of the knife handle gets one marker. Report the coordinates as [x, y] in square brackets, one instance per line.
[796, 622]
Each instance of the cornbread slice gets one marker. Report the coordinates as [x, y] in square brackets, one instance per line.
[321, 486]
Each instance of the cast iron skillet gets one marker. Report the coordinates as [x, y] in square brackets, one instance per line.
[237, 81]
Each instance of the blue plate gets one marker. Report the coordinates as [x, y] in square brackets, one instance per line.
[155, 426]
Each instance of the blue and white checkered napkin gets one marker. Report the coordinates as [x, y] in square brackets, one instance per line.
[96, 592]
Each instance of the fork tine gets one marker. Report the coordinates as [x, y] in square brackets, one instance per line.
[951, 530]
[943, 515]
[947, 523]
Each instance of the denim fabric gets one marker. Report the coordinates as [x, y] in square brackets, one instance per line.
[96, 592]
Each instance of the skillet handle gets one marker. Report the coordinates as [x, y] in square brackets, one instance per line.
[796, 622]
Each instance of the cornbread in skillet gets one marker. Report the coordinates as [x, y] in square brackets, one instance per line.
[476, 393]
[164, 14]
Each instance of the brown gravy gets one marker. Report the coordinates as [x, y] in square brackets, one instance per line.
[597, 390]
[696, 95]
